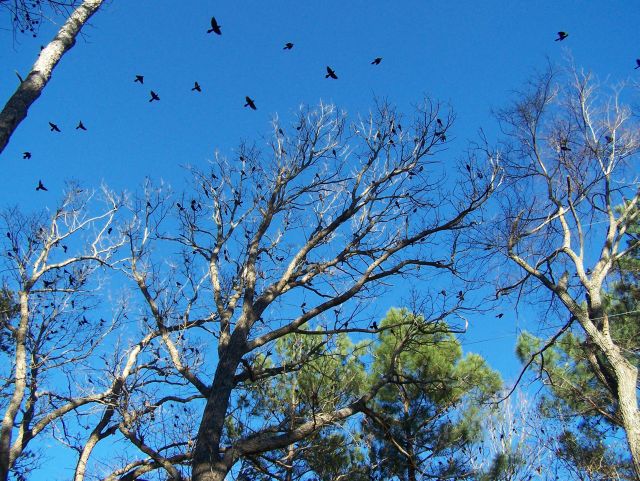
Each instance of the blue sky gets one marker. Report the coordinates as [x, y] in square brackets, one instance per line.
[469, 54]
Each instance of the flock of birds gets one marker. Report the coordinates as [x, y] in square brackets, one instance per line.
[249, 102]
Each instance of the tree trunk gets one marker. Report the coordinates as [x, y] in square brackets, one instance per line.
[627, 377]
[19, 385]
[208, 464]
[16, 109]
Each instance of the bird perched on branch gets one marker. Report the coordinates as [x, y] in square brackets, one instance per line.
[215, 28]
[331, 73]
[561, 36]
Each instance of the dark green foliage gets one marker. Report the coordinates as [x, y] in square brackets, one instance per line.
[325, 373]
[423, 421]
[8, 310]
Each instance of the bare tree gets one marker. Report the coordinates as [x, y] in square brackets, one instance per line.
[311, 230]
[569, 195]
[30, 88]
[518, 443]
[49, 332]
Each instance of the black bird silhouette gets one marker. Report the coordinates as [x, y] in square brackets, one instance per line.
[288, 46]
[196, 86]
[376, 61]
[499, 316]
[439, 122]
[331, 73]
[214, 27]
[374, 325]
[54, 127]
[26, 155]
[250, 103]
[561, 36]
[638, 63]
[608, 138]
[139, 79]
[81, 126]
[41, 186]
[154, 96]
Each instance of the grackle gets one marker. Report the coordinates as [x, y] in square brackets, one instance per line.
[287, 46]
[561, 36]
[214, 27]
[41, 186]
[154, 96]
[81, 126]
[196, 86]
[250, 103]
[638, 63]
[376, 61]
[26, 155]
[54, 127]
[139, 79]
[331, 73]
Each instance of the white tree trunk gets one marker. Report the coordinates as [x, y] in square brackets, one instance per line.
[29, 90]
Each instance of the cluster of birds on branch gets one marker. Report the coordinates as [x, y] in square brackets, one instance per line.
[249, 102]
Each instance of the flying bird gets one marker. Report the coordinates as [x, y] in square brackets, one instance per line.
[376, 61]
[41, 186]
[214, 27]
[139, 79]
[54, 127]
[288, 46]
[331, 73]
[81, 126]
[638, 63]
[561, 36]
[196, 86]
[154, 96]
[26, 155]
[250, 103]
